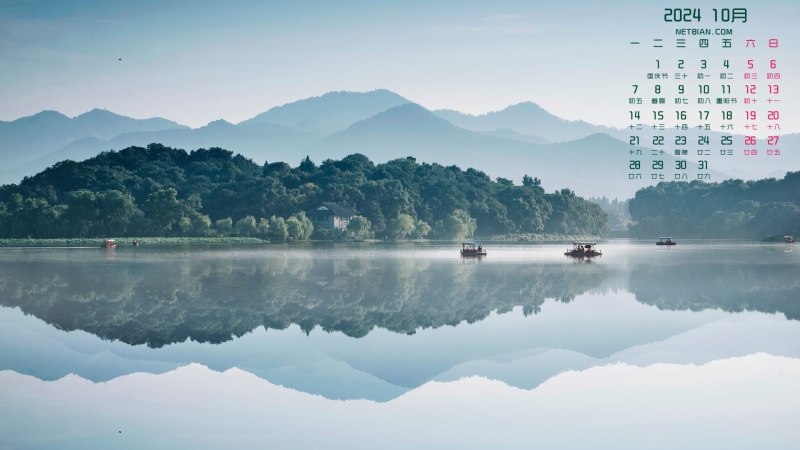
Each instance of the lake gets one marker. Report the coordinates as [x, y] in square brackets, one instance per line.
[377, 345]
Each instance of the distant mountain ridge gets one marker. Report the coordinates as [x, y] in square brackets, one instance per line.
[526, 118]
[332, 111]
[409, 117]
[29, 138]
[383, 125]
[508, 133]
[403, 130]
[411, 129]
[595, 165]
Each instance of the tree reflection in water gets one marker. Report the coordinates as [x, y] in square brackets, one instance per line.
[769, 288]
[158, 302]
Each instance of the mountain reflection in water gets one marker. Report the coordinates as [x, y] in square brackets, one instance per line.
[159, 297]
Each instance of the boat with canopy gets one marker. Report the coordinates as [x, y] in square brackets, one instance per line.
[472, 249]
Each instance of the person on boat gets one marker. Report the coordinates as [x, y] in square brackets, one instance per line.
[480, 247]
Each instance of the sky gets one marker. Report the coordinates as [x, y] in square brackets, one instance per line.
[199, 61]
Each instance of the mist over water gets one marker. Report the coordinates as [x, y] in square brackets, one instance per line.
[380, 321]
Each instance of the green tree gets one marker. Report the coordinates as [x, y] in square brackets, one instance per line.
[400, 227]
[526, 207]
[81, 214]
[115, 210]
[185, 226]
[223, 227]
[33, 217]
[97, 196]
[459, 225]
[776, 218]
[263, 228]
[299, 226]
[246, 226]
[359, 226]
[278, 230]
[527, 181]
[201, 225]
[421, 229]
[729, 209]
[307, 165]
[164, 209]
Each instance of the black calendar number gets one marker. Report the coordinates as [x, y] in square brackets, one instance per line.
[682, 15]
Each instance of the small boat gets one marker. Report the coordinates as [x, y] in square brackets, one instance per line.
[472, 249]
[665, 241]
[523, 238]
[109, 243]
[581, 249]
[788, 239]
[358, 239]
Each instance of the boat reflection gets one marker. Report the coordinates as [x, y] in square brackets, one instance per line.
[160, 301]
[159, 298]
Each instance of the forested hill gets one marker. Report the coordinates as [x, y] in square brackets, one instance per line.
[730, 209]
[210, 192]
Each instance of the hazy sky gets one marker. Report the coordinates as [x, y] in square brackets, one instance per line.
[197, 61]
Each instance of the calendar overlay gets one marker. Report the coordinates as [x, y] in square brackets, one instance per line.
[707, 94]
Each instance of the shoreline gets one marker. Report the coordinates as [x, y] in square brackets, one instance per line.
[128, 242]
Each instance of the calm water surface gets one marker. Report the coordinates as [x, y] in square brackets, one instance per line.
[394, 325]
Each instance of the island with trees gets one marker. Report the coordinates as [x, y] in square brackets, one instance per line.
[729, 209]
[163, 191]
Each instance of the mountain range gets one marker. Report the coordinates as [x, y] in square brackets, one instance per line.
[29, 138]
[520, 139]
[330, 112]
[526, 118]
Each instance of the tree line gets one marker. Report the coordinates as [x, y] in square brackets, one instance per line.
[162, 191]
[729, 209]
[619, 218]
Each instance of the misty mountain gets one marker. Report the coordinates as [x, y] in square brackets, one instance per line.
[525, 118]
[28, 138]
[330, 112]
[508, 143]
[411, 129]
[530, 119]
[258, 141]
[511, 134]
[595, 165]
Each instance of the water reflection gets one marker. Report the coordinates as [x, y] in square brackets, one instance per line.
[736, 287]
[586, 314]
[158, 301]
[159, 297]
